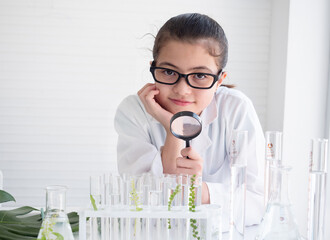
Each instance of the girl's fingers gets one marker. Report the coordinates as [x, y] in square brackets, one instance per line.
[194, 166]
[184, 163]
[146, 87]
[151, 94]
[191, 153]
[147, 95]
[186, 171]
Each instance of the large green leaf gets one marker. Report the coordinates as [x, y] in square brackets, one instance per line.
[15, 225]
[6, 197]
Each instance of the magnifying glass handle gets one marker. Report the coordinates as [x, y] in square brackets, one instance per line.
[187, 145]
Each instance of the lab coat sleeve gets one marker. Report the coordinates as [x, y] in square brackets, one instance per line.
[242, 116]
[135, 152]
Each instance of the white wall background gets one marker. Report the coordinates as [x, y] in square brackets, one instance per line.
[65, 65]
[305, 92]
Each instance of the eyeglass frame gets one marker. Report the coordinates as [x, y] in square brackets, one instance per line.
[185, 76]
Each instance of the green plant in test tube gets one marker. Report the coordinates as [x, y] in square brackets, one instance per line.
[93, 202]
[135, 197]
[136, 201]
[192, 206]
[170, 200]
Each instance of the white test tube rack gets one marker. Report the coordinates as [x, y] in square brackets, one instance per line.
[210, 215]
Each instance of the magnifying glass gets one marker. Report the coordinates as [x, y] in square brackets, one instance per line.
[186, 125]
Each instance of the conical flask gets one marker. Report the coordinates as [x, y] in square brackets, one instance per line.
[278, 221]
[56, 224]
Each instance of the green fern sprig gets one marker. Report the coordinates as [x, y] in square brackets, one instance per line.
[47, 229]
[136, 201]
[170, 201]
[192, 206]
[135, 197]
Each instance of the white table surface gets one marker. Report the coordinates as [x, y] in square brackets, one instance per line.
[250, 233]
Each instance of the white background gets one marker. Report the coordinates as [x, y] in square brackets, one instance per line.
[65, 65]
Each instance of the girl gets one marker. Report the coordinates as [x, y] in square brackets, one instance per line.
[190, 53]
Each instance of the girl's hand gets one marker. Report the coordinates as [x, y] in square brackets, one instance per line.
[191, 165]
[147, 96]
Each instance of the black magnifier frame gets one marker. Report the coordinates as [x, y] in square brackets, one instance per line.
[186, 138]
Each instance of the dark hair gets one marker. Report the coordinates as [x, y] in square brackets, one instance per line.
[192, 27]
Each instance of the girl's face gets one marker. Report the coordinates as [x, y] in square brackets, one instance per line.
[186, 58]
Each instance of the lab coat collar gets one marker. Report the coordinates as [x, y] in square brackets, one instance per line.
[210, 113]
[203, 141]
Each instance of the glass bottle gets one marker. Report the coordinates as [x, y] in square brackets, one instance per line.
[56, 224]
[278, 221]
[317, 189]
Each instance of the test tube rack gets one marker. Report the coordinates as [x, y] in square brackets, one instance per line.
[151, 223]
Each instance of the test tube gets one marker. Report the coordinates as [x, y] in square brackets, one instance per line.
[238, 153]
[155, 197]
[195, 201]
[113, 189]
[154, 201]
[174, 203]
[136, 201]
[317, 189]
[184, 222]
[273, 157]
[125, 200]
[96, 195]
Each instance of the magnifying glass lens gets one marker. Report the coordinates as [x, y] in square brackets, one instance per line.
[186, 126]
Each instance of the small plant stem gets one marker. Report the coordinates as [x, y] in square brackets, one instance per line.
[170, 201]
[192, 206]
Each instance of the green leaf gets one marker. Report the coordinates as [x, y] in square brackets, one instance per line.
[93, 202]
[6, 197]
[58, 236]
[75, 227]
[7, 235]
[15, 225]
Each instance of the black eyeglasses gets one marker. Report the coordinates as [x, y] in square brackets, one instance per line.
[195, 80]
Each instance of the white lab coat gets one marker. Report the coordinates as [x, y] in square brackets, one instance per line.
[141, 137]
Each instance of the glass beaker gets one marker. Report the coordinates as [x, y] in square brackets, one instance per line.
[56, 223]
[278, 221]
